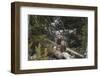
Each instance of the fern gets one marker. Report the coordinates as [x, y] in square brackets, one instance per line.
[38, 51]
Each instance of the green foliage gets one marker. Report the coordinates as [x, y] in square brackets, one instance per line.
[38, 51]
[84, 37]
[41, 54]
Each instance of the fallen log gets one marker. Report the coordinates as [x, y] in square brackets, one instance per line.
[74, 52]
